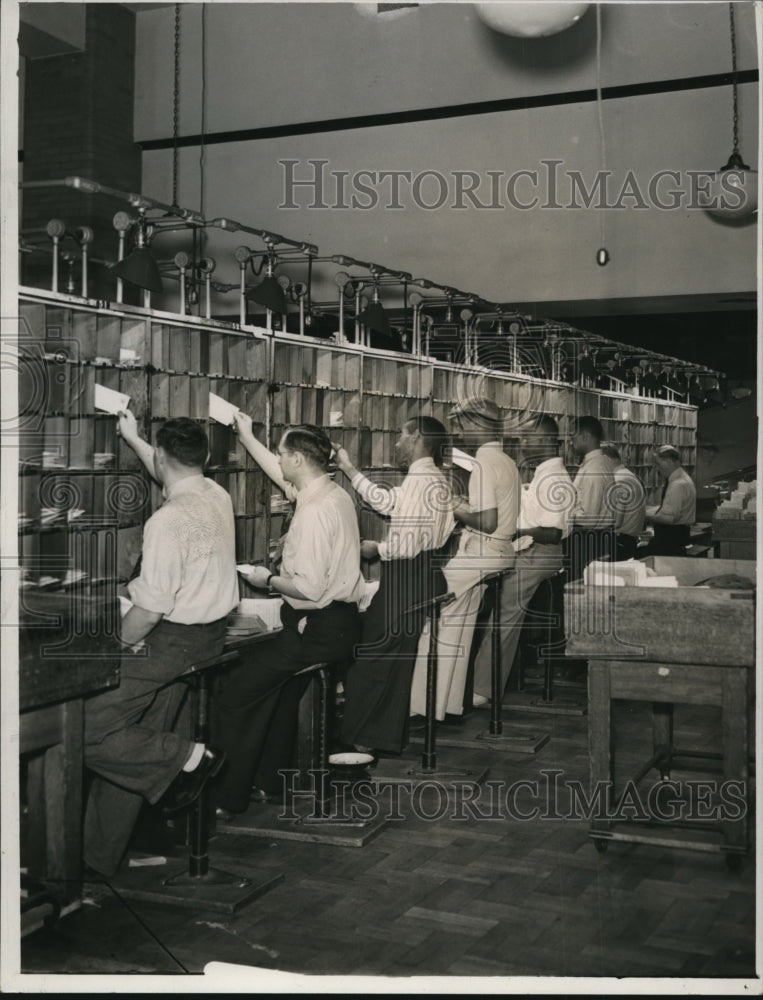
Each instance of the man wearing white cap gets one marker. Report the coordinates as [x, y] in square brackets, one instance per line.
[489, 519]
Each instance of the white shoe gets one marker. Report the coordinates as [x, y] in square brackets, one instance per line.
[479, 701]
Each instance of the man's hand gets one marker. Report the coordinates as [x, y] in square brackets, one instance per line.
[341, 458]
[127, 426]
[242, 424]
[369, 550]
[259, 577]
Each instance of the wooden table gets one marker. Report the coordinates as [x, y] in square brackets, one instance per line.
[67, 650]
[664, 684]
[691, 645]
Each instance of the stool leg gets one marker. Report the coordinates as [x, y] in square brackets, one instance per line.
[322, 679]
[429, 757]
[548, 672]
[496, 724]
[198, 856]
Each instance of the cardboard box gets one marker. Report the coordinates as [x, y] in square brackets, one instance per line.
[686, 624]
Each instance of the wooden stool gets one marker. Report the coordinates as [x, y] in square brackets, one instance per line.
[199, 884]
[401, 772]
[315, 716]
[315, 823]
[546, 613]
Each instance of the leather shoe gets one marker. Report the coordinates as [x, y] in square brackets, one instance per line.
[187, 786]
[261, 796]
[225, 815]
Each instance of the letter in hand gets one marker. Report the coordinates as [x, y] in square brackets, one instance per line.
[242, 423]
[341, 458]
[127, 426]
[258, 577]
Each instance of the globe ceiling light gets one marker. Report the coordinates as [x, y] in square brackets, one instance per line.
[733, 192]
[531, 18]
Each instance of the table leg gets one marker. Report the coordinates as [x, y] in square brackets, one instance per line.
[54, 795]
[662, 737]
[735, 739]
[601, 744]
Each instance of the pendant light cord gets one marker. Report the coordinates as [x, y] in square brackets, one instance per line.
[176, 107]
[203, 104]
[732, 27]
[600, 118]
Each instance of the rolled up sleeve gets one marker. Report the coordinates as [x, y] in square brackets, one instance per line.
[161, 569]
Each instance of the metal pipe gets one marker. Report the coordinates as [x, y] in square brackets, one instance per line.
[55, 230]
[242, 255]
[205, 268]
[182, 260]
[415, 299]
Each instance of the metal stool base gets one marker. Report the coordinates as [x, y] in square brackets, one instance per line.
[519, 702]
[268, 821]
[218, 890]
[411, 772]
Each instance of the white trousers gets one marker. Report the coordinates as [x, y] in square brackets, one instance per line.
[477, 557]
[533, 565]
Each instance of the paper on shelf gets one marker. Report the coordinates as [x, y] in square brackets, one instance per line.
[110, 400]
[267, 608]
[221, 410]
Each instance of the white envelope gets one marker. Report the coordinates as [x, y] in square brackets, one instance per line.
[462, 460]
[110, 400]
[221, 410]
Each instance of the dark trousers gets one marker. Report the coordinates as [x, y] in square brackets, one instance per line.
[669, 540]
[129, 742]
[584, 546]
[377, 688]
[256, 706]
[626, 547]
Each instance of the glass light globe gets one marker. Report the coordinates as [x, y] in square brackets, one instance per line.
[733, 191]
[532, 18]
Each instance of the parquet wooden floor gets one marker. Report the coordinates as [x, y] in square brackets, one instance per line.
[452, 896]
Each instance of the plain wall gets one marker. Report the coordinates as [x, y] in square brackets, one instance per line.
[288, 63]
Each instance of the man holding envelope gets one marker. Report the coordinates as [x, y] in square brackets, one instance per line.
[320, 581]
[180, 602]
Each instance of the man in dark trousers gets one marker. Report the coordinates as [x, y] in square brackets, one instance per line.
[677, 511]
[255, 716]
[180, 602]
[378, 683]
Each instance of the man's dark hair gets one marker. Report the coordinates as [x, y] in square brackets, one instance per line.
[184, 440]
[668, 451]
[310, 441]
[546, 425]
[433, 433]
[590, 425]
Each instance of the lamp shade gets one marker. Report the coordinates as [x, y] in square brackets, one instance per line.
[531, 19]
[733, 191]
[269, 294]
[375, 316]
[139, 268]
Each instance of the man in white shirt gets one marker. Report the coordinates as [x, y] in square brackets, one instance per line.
[255, 711]
[545, 519]
[593, 534]
[186, 587]
[629, 503]
[489, 519]
[378, 684]
[676, 513]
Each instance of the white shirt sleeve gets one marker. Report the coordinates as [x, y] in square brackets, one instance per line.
[161, 569]
[482, 488]
[381, 496]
